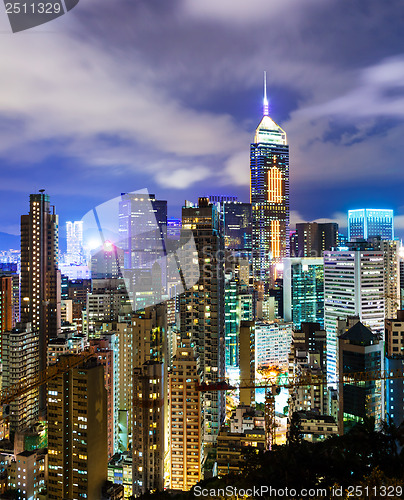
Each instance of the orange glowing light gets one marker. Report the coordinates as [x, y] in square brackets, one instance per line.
[275, 239]
[274, 185]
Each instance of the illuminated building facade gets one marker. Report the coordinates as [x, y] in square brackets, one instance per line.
[303, 290]
[307, 357]
[148, 433]
[6, 306]
[272, 344]
[247, 429]
[26, 474]
[367, 223]
[40, 277]
[106, 301]
[185, 420]
[360, 351]
[142, 223]
[202, 307]
[107, 262]
[74, 240]
[247, 361]
[21, 361]
[232, 321]
[391, 254]
[394, 361]
[77, 433]
[237, 218]
[353, 285]
[269, 193]
[106, 349]
[312, 239]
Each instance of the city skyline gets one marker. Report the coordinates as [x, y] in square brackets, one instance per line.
[223, 303]
[106, 127]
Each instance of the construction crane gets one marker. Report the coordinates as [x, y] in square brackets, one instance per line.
[26, 384]
[273, 385]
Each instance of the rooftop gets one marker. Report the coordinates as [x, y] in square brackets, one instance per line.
[359, 334]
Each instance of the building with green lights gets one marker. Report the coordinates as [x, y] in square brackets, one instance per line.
[232, 322]
[303, 290]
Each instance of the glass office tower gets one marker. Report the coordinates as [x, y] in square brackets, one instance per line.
[269, 193]
[367, 223]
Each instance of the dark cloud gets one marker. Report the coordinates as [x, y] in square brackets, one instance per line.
[166, 95]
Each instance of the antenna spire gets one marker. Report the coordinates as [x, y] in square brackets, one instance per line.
[266, 106]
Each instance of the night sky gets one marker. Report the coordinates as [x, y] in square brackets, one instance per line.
[122, 95]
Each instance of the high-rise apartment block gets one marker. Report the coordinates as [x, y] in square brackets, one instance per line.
[77, 433]
[108, 298]
[360, 351]
[353, 285]
[247, 362]
[6, 307]
[185, 420]
[143, 378]
[368, 222]
[269, 192]
[6, 303]
[107, 355]
[391, 254]
[272, 344]
[202, 307]
[312, 239]
[21, 362]
[149, 427]
[40, 277]
[308, 358]
[303, 290]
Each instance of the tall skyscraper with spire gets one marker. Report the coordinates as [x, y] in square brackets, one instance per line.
[269, 193]
[40, 277]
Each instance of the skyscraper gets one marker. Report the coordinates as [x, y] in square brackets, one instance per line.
[149, 427]
[143, 227]
[185, 420]
[269, 192]
[74, 239]
[313, 238]
[303, 290]
[366, 223]
[353, 285]
[40, 277]
[202, 307]
[20, 362]
[360, 351]
[77, 437]
[143, 235]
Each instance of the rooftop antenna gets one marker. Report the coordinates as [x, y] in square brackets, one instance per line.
[266, 106]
